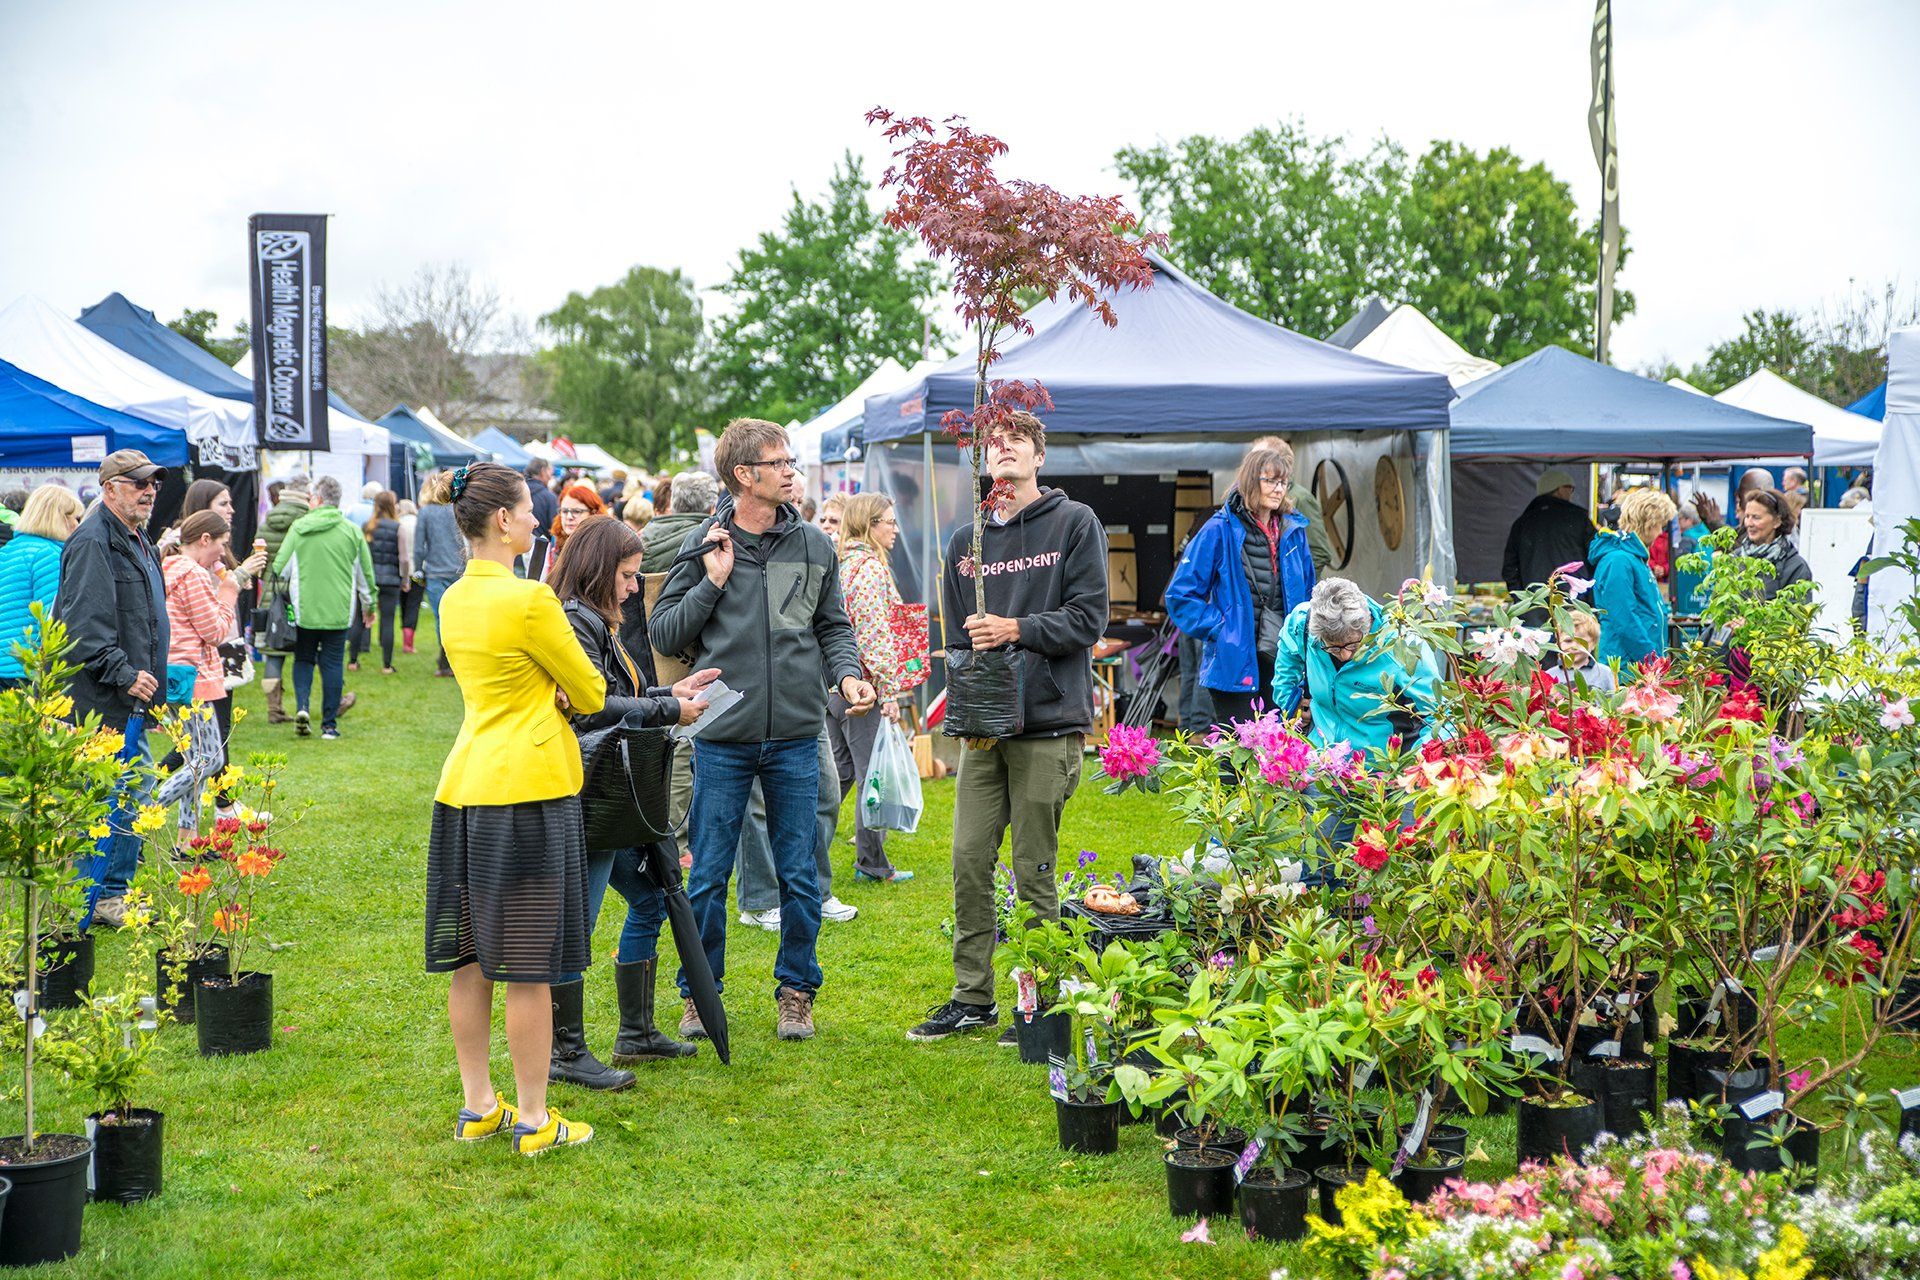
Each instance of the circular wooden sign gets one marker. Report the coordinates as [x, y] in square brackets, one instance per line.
[1336, 508]
[1392, 502]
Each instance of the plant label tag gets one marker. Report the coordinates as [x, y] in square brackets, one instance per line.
[1605, 1049]
[1766, 955]
[1057, 1081]
[1028, 997]
[1093, 1053]
[1364, 1074]
[1536, 1046]
[1416, 1132]
[1763, 1104]
[1244, 1165]
[1907, 1098]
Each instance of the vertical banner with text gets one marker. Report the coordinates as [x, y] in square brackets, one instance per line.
[287, 263]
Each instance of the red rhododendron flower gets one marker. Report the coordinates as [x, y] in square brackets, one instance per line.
[1428, 976]
[1370, 848]
[1866, 946]
[1743, 704]
[1480, 969]
[1701, 828]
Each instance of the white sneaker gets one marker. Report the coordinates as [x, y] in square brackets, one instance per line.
[834, 909]
[768, 919]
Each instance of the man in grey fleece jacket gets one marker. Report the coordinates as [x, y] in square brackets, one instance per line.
[757, 594]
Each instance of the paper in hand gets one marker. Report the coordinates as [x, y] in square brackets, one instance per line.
[718, 699]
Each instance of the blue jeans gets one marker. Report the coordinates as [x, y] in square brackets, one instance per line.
[723, 774]
[646, 905]
[329, 650]
[123, 847]
[437, 587]
[759, 887]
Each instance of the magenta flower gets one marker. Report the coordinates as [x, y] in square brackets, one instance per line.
[1129, 753]
[1797, 1081]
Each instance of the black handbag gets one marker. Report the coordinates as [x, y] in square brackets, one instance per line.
[273, 629]
[624, 799]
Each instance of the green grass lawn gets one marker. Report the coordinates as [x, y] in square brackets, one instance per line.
[858, 1154]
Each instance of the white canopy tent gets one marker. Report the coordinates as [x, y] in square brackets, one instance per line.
[1408, 339]
[806, 436]
[1896, 476]
[1840, 438]
[592, 455]
[346, 433]
[39, 339]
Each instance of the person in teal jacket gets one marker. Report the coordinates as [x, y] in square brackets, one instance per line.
[1331, 651]
[319, 558]
[1633, 613]
[30, 568]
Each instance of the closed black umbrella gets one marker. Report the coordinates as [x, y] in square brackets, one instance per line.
[663, 868]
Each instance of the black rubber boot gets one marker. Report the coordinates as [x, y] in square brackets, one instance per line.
[573, 1062]
[639, 1040]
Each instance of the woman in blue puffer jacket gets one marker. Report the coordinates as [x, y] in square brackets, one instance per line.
[1244, 571]
[30, 569]
[1633, 614]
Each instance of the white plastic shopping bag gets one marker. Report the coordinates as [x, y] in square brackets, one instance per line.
[890, 793]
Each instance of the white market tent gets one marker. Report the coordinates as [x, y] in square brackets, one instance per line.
[345, 433]
[1840, 438]
[1408, 339]
[806, 436]
[42, 341]
[1896, 476]
[592, 455]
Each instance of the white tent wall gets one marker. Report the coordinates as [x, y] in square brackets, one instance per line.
[1896, 478]
[1832, 542]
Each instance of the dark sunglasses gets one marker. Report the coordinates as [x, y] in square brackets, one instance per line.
[151, 482]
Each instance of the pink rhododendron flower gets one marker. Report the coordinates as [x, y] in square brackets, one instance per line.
[1648, 700]
[1897, 715]
[1198, 1234]
[1129, 753]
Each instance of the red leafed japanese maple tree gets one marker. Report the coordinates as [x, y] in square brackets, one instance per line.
[1005, 239]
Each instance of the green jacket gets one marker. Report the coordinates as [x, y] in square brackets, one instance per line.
[318, 558]
[660, 541]
[1319, 545]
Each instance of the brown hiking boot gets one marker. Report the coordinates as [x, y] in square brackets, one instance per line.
[795, 1014]
[691, 1027]
[276, 706]
[346, 703]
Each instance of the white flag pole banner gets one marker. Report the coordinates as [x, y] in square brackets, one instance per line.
[287, 267]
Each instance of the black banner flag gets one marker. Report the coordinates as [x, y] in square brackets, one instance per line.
[287, 257]
[1606, 154]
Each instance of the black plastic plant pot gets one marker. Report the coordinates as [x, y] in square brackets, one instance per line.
[1442, 1139]
[1686, 1070]
[1723, 1084]
[1090, 1128]
[1747, 1146]
[1632, 1040]
[66, 971]
[1738, 1013]
[1199, 1182]
[1904, 1013]
[1626, 1089]
[127, 1147]
[1274, 1203]
[1332, 1179]
[1171, 1120]
[234, 1016]
[6, 1189]
[1230, 1140]
[1042, 1034]
[211, 963]
[48, 1202]
[1547, 1132]
[1418, 1182]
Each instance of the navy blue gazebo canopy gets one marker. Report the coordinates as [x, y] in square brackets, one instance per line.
[135, 331]
[1556, 404]
[1180, 362]
[43, 426]
[448, 449]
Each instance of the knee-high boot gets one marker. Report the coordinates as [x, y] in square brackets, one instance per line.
[639, 1040]
[573, 1062]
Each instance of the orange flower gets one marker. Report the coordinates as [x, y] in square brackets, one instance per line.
[254, 862]
[230, 919]
[195, 882]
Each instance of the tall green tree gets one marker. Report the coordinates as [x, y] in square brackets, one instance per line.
[1301, 230]
[197, 327]
[1287, 226]
[1782, 341]
[625, 364]
[818, 303]
[1498, 258]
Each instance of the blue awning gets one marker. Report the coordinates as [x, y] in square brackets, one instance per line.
[502, 446]
[40, 426]
[1180, 362]
[448, 449]
[1872, 405]
[1556, 404]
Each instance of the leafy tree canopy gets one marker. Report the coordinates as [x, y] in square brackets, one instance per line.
[197, 327]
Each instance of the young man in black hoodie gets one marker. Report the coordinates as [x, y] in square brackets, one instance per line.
[1044, 562]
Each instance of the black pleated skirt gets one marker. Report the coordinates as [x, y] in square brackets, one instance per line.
[507, 889]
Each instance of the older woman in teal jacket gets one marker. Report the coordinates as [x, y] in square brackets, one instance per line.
[1331, 651]
[1633, 614]
[30, 568]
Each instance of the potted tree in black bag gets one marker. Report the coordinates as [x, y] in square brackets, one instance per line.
[1009, 242]
[233, 1009]
[105, 1049]
[59, 784]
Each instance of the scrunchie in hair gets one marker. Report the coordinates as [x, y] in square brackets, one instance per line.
[460, 480]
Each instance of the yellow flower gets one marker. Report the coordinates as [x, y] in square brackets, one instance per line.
[1787, 1260]
[229, 780]
[99, 831]
[60, 706]
[150, 818]
[101, 746]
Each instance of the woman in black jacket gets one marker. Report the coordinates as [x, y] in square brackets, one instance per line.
[595, 577]
[383, 541]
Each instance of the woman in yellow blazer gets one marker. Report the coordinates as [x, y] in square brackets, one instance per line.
[507, 861]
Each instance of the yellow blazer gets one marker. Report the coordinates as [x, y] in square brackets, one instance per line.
[510, 644]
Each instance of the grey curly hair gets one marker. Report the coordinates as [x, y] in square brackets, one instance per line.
[1339, 612]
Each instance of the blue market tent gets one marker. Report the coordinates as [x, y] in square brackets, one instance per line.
[1871, 405]
[43, 426]
[1556, 404]
[413, 438]
[502, 446]
[137, 332]
[1180, 362]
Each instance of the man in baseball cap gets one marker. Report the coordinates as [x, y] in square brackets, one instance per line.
[113, 601]
[1551, 532]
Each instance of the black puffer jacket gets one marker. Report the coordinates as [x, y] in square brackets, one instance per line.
[384, 542]
[626, 691]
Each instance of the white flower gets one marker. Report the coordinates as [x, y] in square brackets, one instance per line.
[1697, 1215]
[1576, 587]
[1897, 714]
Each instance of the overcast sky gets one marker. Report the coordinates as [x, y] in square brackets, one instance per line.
[1769, 149]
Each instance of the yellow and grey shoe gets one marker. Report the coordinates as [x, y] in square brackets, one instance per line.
[558, 1131]
[470, 1126]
